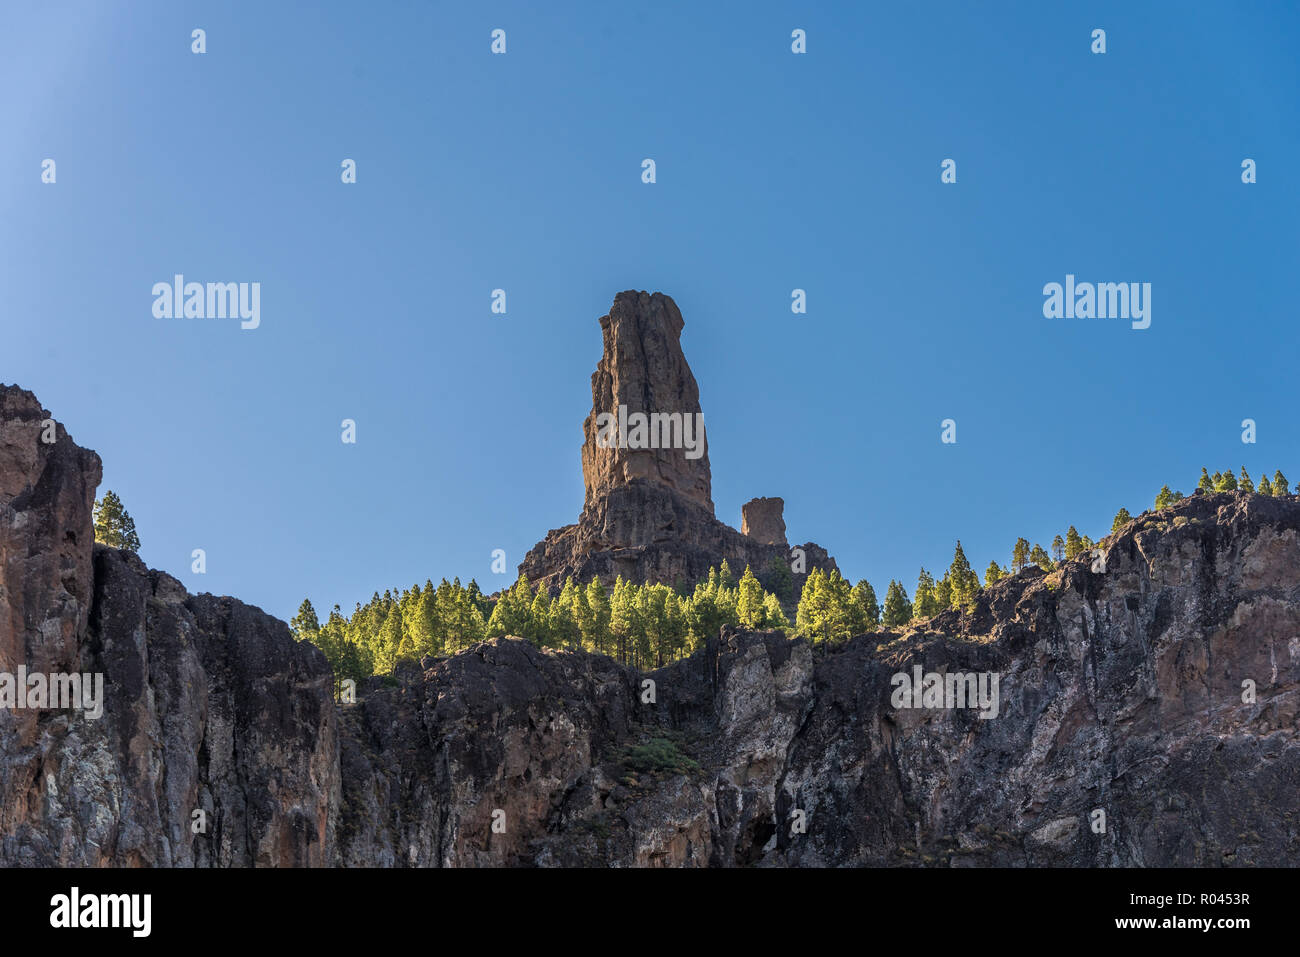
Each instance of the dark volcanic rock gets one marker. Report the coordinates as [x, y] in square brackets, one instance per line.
[1157, 682]
[1121, 691]
[208, 704]
[763, 519]
[47, 494]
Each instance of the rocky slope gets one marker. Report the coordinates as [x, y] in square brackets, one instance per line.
[648, 512]
[1157, 682]
[1121, 691]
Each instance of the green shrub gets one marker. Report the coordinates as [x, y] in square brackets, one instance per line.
[657, 756]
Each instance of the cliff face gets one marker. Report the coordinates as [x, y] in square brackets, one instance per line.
[1120, 692]
[648, 512]
[1146, 714]
[207, 704]
[642, 370]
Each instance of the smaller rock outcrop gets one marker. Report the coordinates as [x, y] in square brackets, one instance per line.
[762, 519]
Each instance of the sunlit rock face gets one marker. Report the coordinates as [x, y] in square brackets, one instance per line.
[642, 370]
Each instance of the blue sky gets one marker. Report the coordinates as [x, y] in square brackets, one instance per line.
[775, 171]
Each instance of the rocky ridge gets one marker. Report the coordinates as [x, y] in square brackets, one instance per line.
[1121, 691]
[1157, 682]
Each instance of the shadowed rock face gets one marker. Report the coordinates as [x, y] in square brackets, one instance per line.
[1159, 685]
[648, 513]
[1120, 690]
[47, 494]
[763, 519]
[208, 704]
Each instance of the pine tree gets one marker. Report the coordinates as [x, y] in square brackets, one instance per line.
[810, 610]
[1165, 498]
[539, 618]
[775, 614]
[1265, 486]
[965, 583]
[496, 626]
[1280, 486]
[993, 573]
[725, 578]
[1205, 484]
[1058, 550]
[388, 640]
[114, 525]
[563, 622]
[597, 636]
[343, 655]
[707, 611]
[898, 610]
[624, 621]
[1225, 481]
[419, 620]
[512, 611]
[305, 625]
[779, 578]
[676, 628]
[1040, 558]
[749, 606]
[943, 593]
[1245, 484]
[839, 606]
[1073, 543]
[1019, 556]
[1122, 518]
[481, 601]
[926, 603]
[582, 617]
[865, 610]
[825, 611]
[654, 639]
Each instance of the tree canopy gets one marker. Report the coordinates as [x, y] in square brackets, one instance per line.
[114, 525]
